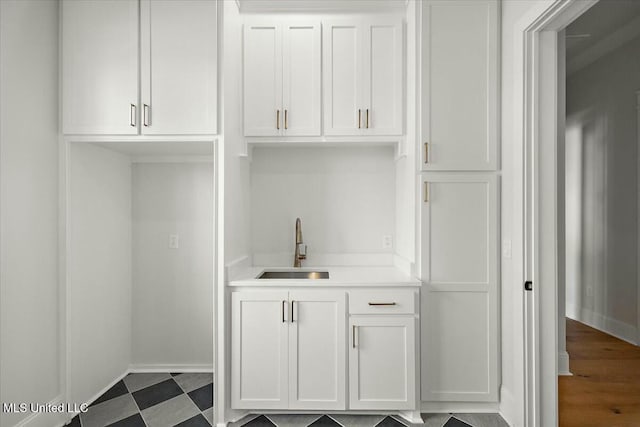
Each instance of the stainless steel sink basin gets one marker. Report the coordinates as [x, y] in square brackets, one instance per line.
[294, 275]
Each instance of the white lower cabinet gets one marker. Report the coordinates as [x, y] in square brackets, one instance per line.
[288, 350]
[382, 371]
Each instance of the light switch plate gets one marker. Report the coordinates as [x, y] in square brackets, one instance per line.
[174, 241]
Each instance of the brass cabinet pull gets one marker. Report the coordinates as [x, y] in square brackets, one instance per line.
[353, 333]
[382, 303]
[284, 303]
[132, 115]
[292, 319]
[359, 118]
[286, 126]
[426, 191]
[278, 119]
[367, 118]
[426, 152]
[146, 117]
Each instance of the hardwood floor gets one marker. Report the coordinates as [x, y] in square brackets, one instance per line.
[604, 390]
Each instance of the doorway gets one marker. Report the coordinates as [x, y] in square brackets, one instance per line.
[543, 120]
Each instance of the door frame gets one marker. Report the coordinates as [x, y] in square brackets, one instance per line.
[638, 212]
[540, 220]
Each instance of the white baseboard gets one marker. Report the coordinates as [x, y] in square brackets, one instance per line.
[460, 407]
[45, 419]
[608, 325]
[563, 363]
[139, 368]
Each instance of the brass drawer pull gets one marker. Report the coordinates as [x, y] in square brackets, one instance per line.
[278, 119]
[382, 303]
[359, 119]
[286, 122]
[426, 153]
[367, 118]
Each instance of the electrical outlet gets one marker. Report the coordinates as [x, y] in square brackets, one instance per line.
[174, 241]
[387, 241]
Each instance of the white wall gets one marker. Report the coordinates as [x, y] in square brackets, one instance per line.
[344, 197]
[172, 304]
[29, 348]
[99, 269]
[601, 182]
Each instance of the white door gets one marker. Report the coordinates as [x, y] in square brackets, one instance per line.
[317, 356]
[382, 77]
[301, 78]
[100, 67]
[459, 267]
[460, 89]
[179, 67]
[382, 362]
[263, 112]
[342, 70]
[259, 362]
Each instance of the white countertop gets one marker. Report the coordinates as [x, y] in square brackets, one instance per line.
[338, 276]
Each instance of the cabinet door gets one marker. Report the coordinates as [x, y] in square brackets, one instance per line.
[263, 115]
[179, 66]
[301, 78]
[383, 41]
[99, 67]
[459, 268]
[317, 354]
[460, 84]
[259, 367]
[382, 362]
[342, 62]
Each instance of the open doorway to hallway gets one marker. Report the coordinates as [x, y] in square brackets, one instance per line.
[598, 217]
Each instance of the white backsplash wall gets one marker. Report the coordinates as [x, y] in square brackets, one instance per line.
[173, 288]
[344, 196]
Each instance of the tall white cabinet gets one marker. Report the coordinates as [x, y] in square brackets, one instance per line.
[460, 81]
[139, 67]
[282, 78]
[363, 76]
[459, 203]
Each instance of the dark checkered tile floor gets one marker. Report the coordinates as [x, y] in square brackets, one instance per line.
[186, 400]
[333, 420]
[153, 400]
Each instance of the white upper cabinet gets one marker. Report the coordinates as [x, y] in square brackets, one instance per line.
[104, 69]
[460, 85]
[382, 93]
[282, 79]
[179, 67]
[100, 66]
[363, 66]
[342, 78]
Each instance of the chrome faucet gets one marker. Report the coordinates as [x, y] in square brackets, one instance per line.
[301, 249]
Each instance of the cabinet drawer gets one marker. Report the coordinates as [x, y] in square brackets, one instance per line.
[402, 301]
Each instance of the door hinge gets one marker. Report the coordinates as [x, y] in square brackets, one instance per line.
[528, 285]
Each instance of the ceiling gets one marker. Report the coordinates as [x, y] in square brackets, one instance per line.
[601, 21]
